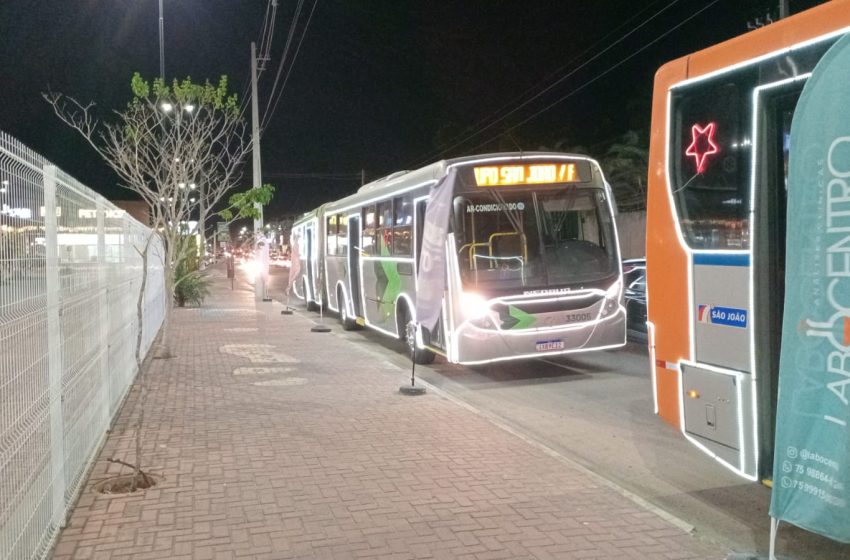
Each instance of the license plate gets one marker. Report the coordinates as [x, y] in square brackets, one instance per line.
[548, 345]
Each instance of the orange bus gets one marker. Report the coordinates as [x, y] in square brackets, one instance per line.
[715, 245]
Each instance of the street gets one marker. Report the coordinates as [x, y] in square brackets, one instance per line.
[596, 409]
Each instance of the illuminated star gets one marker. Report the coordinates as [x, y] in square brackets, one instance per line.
[708, 145]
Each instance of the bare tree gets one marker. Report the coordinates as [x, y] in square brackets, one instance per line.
[179, 147]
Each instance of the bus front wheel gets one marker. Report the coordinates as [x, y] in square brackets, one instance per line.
[407, 334]
[348, 323]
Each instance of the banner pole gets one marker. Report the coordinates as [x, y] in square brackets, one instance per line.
[410, 339]
[774, 528]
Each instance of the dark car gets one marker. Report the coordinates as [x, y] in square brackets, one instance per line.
[634, 278]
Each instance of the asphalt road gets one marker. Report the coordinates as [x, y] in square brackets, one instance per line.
[597, 409]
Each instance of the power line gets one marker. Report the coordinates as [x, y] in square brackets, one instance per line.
[267, 117]
[324, 176]
[558, 81]
[265, 26]
[266, 37]
[600, 75]
[290, 35]
[425, 159]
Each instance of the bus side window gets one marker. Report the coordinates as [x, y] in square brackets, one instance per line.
[369, 219]
[342, 235]
[402, 226]
[330, 235]
[384, 226]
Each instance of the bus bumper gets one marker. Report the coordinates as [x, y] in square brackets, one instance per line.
[475, 345]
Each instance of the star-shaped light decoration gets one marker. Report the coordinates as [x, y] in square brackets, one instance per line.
[701, 149]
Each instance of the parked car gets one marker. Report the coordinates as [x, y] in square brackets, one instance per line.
[634, 278]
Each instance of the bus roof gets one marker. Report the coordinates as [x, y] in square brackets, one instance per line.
[430, 173]
[823, 20]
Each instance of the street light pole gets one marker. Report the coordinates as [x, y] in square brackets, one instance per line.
[161, 46]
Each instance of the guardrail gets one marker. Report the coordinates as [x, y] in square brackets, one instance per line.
[70, 274]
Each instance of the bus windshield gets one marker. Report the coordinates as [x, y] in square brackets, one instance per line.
[534, 239]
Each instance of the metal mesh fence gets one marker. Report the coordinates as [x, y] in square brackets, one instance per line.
[70, 275]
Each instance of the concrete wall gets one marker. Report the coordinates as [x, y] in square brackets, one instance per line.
[631, 228]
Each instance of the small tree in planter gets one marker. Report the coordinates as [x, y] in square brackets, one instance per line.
[167, 142]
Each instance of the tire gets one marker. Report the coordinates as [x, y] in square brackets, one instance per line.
[407, 333]
[311, 305]
[348, 323]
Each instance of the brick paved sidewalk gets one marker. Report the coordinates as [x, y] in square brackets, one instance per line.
[275, 442]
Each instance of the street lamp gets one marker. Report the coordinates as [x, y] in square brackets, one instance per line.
[161, 46]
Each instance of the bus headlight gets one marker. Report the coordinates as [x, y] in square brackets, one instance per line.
[612, 299]
[473, 305]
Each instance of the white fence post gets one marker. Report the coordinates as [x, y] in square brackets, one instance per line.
[103, 301]
[54, 345]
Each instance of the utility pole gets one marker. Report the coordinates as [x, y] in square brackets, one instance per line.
[260, 262]
[784, 9]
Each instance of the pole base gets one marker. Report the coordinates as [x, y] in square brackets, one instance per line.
[286, 311]
[267, 299]
[320, 328]
[411, 390]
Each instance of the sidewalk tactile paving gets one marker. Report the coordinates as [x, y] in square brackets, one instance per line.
[322, 458]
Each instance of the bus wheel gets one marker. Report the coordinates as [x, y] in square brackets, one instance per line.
[311, 305]
[407, 334]
[348, 323]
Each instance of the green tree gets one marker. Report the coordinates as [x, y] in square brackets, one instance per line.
[625, 165]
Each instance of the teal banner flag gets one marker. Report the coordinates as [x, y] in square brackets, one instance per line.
[811, 472]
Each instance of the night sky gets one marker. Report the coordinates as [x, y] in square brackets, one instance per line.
[378, 85]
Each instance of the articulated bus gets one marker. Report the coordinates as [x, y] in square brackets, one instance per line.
[532, 259]
[715, 246]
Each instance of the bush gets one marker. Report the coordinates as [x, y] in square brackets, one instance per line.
[192, 288]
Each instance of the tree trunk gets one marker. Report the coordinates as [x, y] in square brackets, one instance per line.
[164, 350]
[140, 314]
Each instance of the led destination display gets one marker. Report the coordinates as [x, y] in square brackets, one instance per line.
[530, 174]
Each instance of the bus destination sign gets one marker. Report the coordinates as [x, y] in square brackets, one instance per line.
[531, 174]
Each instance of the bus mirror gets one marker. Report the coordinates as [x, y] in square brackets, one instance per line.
[458, 210]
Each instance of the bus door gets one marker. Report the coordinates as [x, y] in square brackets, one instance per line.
[776, 111]
[354, 264]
